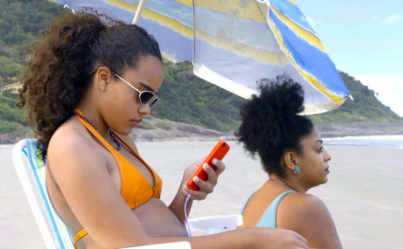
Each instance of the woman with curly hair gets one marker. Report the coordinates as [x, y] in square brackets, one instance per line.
[89, 85]
[292, 154]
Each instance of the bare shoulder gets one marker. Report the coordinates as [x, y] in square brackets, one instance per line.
[298, 207]
[306, 203]
[69, 138]
[308, 215]
[71, 147]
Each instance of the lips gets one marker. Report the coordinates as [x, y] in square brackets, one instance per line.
[327, 169]
[136, 122]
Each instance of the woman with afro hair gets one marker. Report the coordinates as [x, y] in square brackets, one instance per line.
[88, 85]
[292, 154]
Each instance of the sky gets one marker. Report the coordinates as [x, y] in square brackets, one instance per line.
[364, 38]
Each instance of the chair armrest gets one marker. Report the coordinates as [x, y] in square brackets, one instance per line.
[228, 221]
[176, 245]
[197, 224]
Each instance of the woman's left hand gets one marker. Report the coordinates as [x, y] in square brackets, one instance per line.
[206, 187]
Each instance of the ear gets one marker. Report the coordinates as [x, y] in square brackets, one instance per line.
[290, 160]
[102, 77]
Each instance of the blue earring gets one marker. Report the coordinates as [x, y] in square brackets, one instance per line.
[297, 170]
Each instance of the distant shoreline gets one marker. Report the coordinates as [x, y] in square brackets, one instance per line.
[332, 130]
[186, 132]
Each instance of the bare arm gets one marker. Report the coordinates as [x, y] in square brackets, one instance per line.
[307, 215]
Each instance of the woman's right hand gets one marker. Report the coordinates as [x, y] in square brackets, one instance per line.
[275, 238]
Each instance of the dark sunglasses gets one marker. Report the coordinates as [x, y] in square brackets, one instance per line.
[146, 97]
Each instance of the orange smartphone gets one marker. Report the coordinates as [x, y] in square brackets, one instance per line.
[218, 152]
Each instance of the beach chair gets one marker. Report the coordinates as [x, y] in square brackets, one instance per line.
[31, 173]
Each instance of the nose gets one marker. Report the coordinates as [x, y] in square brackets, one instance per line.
[144, 109]
[327, 156]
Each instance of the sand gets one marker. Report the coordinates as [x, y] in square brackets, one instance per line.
[364, 192]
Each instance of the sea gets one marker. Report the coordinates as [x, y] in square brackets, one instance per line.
[395, 141]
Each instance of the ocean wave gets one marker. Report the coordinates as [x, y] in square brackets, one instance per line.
[373, 137]
[395, 141]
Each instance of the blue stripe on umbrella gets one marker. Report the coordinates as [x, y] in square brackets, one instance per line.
[177, 46]
[292, 12]
[311, 59]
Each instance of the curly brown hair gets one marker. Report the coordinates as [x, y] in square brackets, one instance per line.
[59, 73]
[271, 124]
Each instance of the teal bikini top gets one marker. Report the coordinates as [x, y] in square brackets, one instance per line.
[269, 217]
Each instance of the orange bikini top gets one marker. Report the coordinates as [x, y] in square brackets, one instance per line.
[135, 189]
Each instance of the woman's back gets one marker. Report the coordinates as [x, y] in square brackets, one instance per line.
[260, 210]
[278, 206]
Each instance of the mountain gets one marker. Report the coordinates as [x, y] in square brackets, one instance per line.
[364, 107]
[186, 98]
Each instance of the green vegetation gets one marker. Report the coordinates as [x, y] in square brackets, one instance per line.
[189, 99]
[12, 119]
[164, 126]
[21, 22]
[365, 106]
[184, 97]
[146, 126]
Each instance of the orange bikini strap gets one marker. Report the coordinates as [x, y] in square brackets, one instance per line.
[131, 149]
[78, 236]
[95, 132]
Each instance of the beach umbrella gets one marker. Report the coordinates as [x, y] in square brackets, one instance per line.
[235, 43]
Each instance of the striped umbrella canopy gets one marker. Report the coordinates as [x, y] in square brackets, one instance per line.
[235, 43]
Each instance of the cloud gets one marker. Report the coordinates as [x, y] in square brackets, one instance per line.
[388, 90]
[311, 21]
[391, 20]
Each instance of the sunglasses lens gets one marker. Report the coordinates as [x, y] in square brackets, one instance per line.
[148, 98]
[154, 101]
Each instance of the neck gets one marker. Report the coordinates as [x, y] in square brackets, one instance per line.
[290, 181]
[92, 114]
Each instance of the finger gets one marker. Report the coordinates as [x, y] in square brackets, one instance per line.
[197, 164]
[219, 166]
[200, 161]
[301, 245]
[204, 186]
[301, 241]
[301, 238]
[211, 174]
[197, 195]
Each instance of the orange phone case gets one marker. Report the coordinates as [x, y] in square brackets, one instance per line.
[218, 152]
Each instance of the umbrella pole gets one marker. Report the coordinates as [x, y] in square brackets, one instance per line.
[140, 8]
